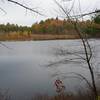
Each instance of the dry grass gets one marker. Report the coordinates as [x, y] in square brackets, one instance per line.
[4, 95]
[64, 97]
[36, 37]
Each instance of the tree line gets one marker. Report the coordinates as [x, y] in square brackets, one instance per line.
[54, 26]
[13, 28]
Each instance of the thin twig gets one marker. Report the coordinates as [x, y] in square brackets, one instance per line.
[85, 14]
[15, 2]
[3, 10]
[5, 45]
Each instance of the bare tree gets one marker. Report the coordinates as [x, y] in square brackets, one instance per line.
[87, 54]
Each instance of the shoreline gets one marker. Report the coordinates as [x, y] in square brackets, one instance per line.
[41, 37]
[15, 40]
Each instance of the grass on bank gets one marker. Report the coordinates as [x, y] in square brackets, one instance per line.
[16, 37]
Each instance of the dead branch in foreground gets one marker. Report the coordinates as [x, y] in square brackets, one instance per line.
[15, 2]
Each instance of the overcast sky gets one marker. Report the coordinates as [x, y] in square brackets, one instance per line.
[18, 15]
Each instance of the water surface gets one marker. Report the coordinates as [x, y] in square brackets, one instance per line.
[24, 66]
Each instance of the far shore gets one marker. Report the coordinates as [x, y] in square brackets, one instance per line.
[39, 37]
[36, 37]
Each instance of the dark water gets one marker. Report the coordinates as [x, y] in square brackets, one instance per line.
[24, 66]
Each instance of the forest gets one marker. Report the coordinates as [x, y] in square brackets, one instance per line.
[50, 29]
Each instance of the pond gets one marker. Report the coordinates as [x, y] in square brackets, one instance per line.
[25, 66]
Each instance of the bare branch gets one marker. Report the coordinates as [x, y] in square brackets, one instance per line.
[3, 10]
[85, 44]
[85, 14]
[15, 2]
[77, 76]
[5, 45]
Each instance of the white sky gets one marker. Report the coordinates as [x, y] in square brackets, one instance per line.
[17, 15]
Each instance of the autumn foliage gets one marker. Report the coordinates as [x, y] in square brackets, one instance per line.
[49, 29]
